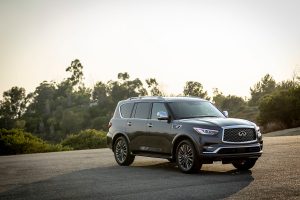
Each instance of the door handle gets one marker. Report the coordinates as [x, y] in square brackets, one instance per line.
[129, 123]
[149, 125]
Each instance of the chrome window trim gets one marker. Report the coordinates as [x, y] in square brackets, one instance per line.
[120, 113]
[239, 126]
[122, 117]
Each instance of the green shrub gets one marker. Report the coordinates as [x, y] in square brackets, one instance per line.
[248, 113]
[16, 141]
[281, 106]
[86, 139]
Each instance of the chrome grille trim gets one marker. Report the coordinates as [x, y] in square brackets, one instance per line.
[239, 127]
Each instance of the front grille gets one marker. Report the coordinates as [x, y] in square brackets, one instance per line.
[239, 135]
[239, 150]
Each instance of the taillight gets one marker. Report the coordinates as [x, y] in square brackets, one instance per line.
[109, 125]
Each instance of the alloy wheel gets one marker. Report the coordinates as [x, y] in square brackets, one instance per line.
[121, 150]
[185, 157]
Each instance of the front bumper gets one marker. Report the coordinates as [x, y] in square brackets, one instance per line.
[232, 152]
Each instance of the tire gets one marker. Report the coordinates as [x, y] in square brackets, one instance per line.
[122, 153]
[244, 164]
[187, 158]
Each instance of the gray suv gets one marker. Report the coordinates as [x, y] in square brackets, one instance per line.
[185, 130]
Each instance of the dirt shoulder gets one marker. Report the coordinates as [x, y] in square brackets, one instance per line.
[286, 132]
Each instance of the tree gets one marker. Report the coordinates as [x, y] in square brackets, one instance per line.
[106, 96]
[102, 103]
[135, 88]
[281, 106]
[76, 73]
[193, 88]
[125, 88]
[218, 98]
[265, 86]
[40, 108]
[123, 76]
[99, 91]
[57, 109]
[12, 106]
[43, 97]
[72, 121]
[231, 103]
[14, 102]
[286, 85]
[153, 86]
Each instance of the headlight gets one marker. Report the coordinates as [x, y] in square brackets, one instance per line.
[206, 131]
[258, 132]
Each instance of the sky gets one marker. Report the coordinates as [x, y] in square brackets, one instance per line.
[224, 44]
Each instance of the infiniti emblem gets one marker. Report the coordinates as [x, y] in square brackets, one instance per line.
[242, 134]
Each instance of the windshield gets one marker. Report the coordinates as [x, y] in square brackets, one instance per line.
[194, 109]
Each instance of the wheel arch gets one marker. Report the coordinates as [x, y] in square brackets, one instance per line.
[116, 136]
[180, 138]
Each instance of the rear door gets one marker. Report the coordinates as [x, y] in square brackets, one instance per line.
[137, 126]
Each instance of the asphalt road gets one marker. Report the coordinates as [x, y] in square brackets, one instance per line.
[93, 174]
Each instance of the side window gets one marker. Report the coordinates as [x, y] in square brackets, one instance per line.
[157, 107]
[126, 109]
[142, 110]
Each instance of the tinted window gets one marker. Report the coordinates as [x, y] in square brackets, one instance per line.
[126, 110]
[142, 110]
[194, 109]
[157, 107]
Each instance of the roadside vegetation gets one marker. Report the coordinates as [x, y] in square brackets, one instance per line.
[68, 115]
[16, 141]
[86, 139]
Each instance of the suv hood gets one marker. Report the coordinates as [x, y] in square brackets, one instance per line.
[215, 121]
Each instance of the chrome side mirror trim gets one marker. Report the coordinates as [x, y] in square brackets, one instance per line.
[225, 113]
[162, 115]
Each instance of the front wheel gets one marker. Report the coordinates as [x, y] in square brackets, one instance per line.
[244, 164]
[122, 154]
[186, 157]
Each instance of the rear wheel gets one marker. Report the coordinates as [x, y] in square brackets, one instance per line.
[244, 164]
[186, 157]
[122, 154]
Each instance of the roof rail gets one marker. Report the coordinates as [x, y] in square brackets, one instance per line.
[146, 97]
[133, 98]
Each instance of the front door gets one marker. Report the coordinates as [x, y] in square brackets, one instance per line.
[160, 134]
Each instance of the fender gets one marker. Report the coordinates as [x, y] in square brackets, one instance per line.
[116, 135]
[181, 136]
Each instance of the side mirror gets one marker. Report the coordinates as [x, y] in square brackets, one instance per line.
[162, 115]
[225, 113]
